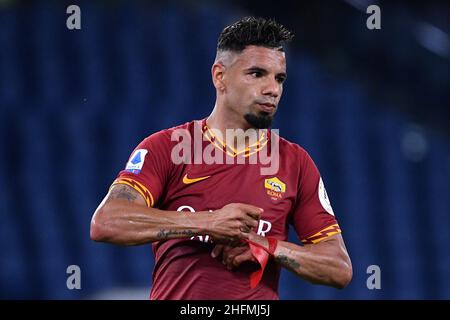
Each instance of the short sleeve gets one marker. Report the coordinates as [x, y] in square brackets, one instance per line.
[148, 168]
[313, 216]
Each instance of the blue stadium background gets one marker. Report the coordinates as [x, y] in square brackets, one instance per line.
[73, 105]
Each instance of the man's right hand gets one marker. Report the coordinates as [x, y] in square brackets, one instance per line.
[233, 222]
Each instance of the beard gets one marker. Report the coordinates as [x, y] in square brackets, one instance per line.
[261, 120]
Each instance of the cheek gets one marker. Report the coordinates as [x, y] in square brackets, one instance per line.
[241, 91]
[249, 89]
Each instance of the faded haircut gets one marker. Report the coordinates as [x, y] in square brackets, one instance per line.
[253, 31]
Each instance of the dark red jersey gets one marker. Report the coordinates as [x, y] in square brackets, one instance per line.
[171, 179]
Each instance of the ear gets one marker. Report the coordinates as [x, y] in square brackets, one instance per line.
[217, 73]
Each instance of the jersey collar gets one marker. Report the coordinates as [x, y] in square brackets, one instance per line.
[229, 150]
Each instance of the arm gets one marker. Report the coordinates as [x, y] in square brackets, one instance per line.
[123, 218]
[326, 262]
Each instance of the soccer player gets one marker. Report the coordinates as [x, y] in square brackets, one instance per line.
[218, 225]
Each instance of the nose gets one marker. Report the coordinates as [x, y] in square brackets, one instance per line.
[271, 88]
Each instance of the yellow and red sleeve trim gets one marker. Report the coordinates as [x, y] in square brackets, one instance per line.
[322, 234]
[139, 187]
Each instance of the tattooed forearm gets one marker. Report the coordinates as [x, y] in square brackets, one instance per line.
[288, 262]
[164, 234]
[123, 192]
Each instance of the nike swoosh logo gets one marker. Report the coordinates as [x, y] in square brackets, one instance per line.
[187, 180]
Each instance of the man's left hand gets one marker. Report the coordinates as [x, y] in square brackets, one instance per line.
[233, 256]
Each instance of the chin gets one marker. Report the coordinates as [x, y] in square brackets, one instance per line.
[261, 120]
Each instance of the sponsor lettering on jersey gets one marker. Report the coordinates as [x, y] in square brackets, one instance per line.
[263, 226]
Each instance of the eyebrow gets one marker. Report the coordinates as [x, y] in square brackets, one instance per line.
[264, 71]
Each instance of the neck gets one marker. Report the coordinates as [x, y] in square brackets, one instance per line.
[222, 119]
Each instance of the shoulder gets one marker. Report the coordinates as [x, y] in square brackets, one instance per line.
[293, 149]
[293, 156]
[164, 138]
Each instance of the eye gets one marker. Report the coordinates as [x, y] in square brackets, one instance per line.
[281, 79]
[256, 74]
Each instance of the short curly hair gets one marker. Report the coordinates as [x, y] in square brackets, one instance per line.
[253, 31]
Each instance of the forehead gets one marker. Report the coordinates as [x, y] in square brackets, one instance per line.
[267, 58]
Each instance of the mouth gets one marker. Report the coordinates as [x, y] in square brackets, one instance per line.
[267, 107]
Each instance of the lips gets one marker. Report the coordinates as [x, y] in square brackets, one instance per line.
[267, 107]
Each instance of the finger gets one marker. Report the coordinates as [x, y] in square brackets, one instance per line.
[245, 229]
[231, 255]
[252, 211]
[249, 220]
[226, 253]
[248, 225]
[217, 250]
[244, 235]
[229, 261]
[238, 260]
[229, 252]
[252, 223]
[226, 250]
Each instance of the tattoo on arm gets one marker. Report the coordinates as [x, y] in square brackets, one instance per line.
[123, 192]
[288, 262]
[164, 234]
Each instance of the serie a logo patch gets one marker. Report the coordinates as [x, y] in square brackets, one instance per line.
[136, 161]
